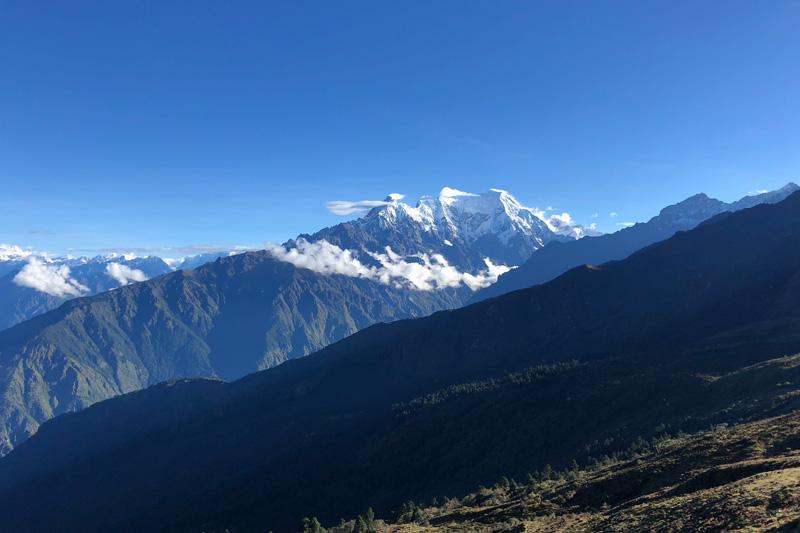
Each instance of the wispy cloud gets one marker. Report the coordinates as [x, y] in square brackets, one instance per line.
[420, 271]
[613, 214]
[626, 224]
[54, 280]
[124, 274]
[349, 207]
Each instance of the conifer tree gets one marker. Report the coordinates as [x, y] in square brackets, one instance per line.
[312, 525]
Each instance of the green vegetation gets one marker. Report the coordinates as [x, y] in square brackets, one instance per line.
[522, 377]
[685, 335]
[741, 477]
[225, 319]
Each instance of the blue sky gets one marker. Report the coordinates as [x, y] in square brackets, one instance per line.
[149, 124]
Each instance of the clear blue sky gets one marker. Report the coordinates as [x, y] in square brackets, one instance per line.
[135, 124]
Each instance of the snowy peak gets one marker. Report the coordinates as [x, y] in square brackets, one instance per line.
[463, 228]
[456, 215]
[494, 212]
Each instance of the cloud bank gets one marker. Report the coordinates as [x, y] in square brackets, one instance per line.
[10, 252]
[124, 274]
[54, 280]
[421, 271]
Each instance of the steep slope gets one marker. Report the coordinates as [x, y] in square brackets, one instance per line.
[39, 284]
[225, 319]
[555, 259]
[744, 477]
[680, 334]
[169, 328]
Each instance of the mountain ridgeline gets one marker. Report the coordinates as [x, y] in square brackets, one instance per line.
[464, 228]
[226, 319]
[683, 334]
[32, 285]
[242, 313]
[550, 261]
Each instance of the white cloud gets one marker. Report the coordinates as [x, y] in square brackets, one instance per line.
[54, 280]
[322, 257]
[626, 224]
[613, 214]
[595, 215]
[9, 252]
[124, 274]
[420, 271]
[349, 207]
[173, 262]
[563, 218]
[564, 224]
[449, 192]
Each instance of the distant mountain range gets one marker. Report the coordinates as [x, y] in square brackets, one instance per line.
[680, 335]
[253, 310]
[550, 261]
[33, 283]
[257, 310]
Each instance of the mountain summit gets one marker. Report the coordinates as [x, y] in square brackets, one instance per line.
[550, 261]
[682, 335]
[464, 228]
[255, 310]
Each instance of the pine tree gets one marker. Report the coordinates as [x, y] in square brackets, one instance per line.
[312, 525]
[370, 520]
[360, 525]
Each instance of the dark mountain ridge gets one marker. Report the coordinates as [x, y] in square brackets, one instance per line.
[557, 257]
[645, 340]
[225, 319]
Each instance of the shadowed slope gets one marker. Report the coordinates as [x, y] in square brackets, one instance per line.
[234, 316]
[332, 433]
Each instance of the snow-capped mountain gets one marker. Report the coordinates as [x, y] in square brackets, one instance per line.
[194, 261]
[33, 282]
[465, 229]
[12, 258]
